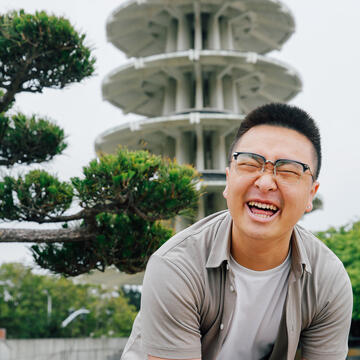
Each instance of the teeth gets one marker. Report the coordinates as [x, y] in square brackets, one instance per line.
[263, 216]
[263, 206]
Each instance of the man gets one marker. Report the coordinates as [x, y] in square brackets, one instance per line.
[248, 283]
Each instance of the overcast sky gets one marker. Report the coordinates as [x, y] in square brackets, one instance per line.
[325, 51]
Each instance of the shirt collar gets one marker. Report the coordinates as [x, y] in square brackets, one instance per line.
[300, 261]
[220, 250]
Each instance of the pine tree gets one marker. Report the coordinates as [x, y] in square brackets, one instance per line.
[113, 214]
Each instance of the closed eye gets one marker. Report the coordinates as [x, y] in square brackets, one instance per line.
[256, 166]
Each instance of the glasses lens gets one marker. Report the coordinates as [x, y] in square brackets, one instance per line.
[248, 164]
[288, 171]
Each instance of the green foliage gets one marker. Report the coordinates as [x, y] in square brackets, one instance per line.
[123, 196]
[121, 240]
[40, 50]
[152, 187]
[36, 197]
[344, 242]
[24, 301]
[36, 51]
[28, 140]
[115, 318]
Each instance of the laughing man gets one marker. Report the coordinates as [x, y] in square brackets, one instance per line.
[248, 283]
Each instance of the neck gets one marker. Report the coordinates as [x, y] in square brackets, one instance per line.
[259, 254]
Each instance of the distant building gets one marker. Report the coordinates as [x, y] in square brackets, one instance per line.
[197, 69]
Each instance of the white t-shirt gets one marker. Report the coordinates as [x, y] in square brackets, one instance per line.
[259, 306]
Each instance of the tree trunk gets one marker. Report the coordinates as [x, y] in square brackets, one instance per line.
[43, 236]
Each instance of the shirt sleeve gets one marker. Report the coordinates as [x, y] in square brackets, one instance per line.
[170, 311]
[327, 336]
[133, 349]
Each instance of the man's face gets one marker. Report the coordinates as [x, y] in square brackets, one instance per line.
[246, 196]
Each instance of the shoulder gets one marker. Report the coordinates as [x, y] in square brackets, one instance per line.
[326, 273]
[180, 265]
[316, 252]
[196, 241]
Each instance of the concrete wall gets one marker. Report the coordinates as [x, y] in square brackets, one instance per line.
[78, 349]
[62, 349]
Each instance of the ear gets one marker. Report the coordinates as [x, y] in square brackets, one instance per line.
[313, 191]
[226, 190]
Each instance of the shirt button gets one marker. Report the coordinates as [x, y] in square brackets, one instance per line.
[232, 288]
[221, 326]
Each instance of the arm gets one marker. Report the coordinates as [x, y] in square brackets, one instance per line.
[170, 303]
[327, 335]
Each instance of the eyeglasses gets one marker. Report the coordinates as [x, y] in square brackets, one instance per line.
[285, 171]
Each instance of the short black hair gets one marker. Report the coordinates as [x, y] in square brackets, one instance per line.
[283, 115]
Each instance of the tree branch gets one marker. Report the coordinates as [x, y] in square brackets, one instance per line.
[139, 213]
[44, 235]
[7, 162]
[146, 217]
[64, 218]
[15, 86]
[9, 96]
[30, 90]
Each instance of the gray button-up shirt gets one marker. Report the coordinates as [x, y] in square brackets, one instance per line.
[188, 298]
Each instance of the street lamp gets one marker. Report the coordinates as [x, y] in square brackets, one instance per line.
[49, 303]
[73, 315]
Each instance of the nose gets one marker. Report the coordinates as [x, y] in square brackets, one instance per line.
[266, 180]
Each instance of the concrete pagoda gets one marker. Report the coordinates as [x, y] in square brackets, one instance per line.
[197, 68]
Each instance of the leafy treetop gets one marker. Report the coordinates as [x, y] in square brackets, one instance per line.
[28, 140]
[38, 51]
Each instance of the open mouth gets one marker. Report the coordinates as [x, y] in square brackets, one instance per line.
[262, 210]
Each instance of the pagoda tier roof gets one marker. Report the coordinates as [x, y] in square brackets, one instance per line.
[143, 28]
[141, 86]
[133, 134]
